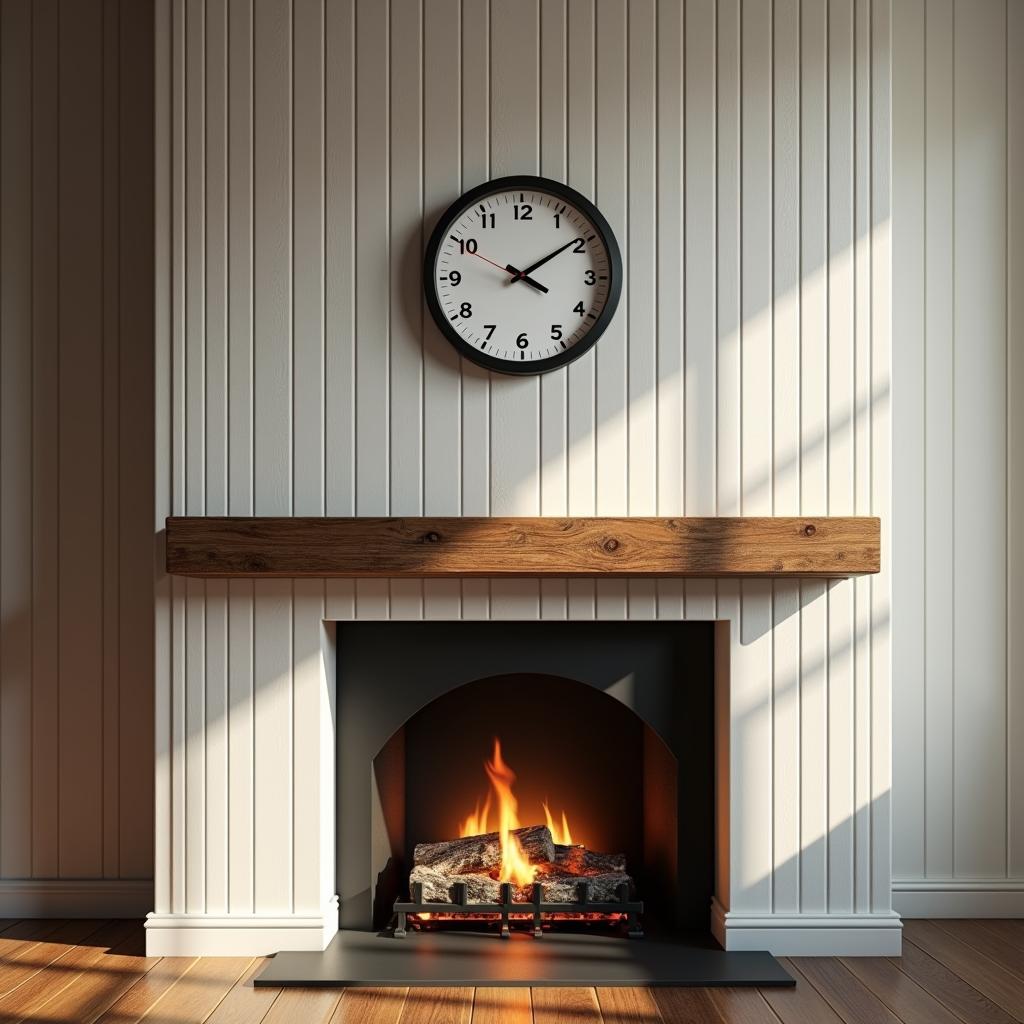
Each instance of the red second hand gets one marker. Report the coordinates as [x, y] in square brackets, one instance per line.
[493, 264]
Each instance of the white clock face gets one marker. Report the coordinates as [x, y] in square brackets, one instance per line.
[523, 277]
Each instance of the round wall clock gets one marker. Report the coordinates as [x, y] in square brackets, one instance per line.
[522, 274]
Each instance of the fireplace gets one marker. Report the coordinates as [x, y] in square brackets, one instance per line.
[584, 749]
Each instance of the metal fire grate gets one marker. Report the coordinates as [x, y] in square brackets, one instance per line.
[626, 910]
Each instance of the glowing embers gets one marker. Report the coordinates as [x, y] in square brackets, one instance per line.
[496, 875]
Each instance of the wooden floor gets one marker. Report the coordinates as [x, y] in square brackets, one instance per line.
[84, 971]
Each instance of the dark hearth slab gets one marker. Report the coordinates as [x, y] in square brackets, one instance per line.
[464, 958]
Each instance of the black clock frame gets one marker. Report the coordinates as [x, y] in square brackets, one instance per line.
[569, 195]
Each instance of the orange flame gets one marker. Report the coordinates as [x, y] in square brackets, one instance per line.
[562, 835]
[515, 866]
[476, 823]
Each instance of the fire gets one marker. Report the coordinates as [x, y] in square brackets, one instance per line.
[476, 823]
[515, 866]
[562, 835]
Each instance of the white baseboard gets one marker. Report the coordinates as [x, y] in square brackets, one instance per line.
[64, 897]
[809, 934]
[956, 897]
[238, 934]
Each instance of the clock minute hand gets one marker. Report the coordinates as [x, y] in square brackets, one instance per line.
[550, 256]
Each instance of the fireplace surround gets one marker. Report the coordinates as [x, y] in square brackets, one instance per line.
[613, 723]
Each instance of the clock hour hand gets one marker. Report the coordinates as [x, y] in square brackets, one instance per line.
[521, 275]
[517, 275]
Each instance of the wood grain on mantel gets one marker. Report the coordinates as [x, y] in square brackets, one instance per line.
[422, 547]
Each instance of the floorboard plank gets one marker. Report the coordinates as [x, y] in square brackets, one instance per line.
[131, 1007]
[502, 1006]
[908, 1000]
[977, 969]
[45, 983]
[8, 922]
[996, 949]
[844, 992]
[40, 948]
[370, 1006]
[742, 1006]
[95, 989]
[308, 1005]
[628, 1005]
[1011, 931]
[950, 990]
[437, 1006]
[690, 1006]
[245, 1004]
[197, 993]
[802, 1004]
[565, 1006]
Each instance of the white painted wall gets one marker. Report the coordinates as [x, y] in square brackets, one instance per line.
[958, 462]
[740, 152]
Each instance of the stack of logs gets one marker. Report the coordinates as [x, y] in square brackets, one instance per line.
[476, 861]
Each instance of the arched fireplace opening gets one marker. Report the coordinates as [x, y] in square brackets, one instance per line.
[607, 727]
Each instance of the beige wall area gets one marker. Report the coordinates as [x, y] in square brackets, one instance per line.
[76, 443]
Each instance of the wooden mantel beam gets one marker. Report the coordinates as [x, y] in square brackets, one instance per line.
[829, 547]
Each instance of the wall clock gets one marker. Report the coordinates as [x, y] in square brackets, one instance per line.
[522, 274]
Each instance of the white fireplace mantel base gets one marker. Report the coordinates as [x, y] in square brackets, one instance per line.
[240, 934]
[877, 934]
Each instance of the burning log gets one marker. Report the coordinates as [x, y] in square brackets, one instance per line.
[437, 886]
[475, 861]
[578, 860]
[482, 854]
[481, 888]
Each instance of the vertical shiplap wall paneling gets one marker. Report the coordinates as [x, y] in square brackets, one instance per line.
[641, 280]
[730, 145]
[1015, 432]
[273, 340]
[553, 386]
[813, 680]
[110, 467]
[43, 97]
[693, 485]
[475, 150]
[81, 388]
[786, 448]
[194, 481]
[672, 68]
[751, 661]
[862, 482]
[441, 179]
[164, 639]
[727, 309]
[931, 655]
[611, 191]
[979, 442]
[879, 869]
[913, 804]
[340, 278]
[240, 468]
[308, 455]
[515, 402]
[956, 454]
[76, 454]
[15, 454]
[372, 301]
[581, 140]
[840, 447]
